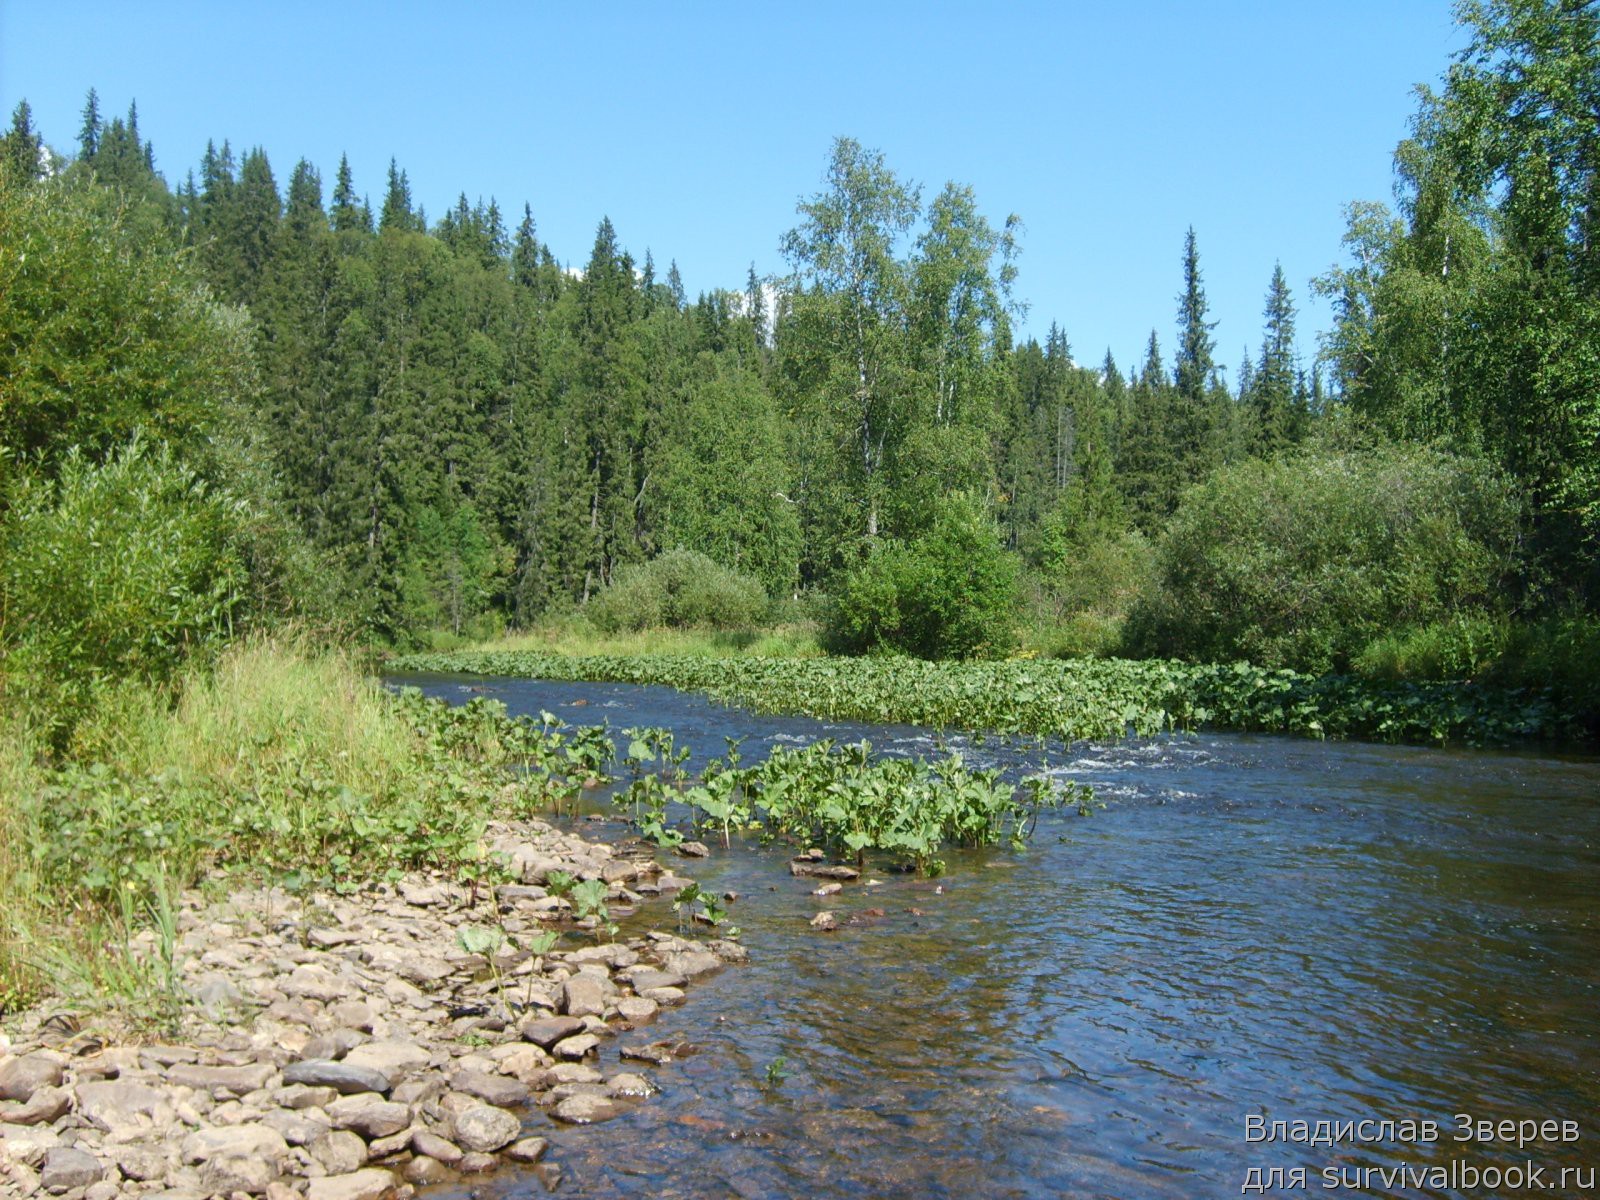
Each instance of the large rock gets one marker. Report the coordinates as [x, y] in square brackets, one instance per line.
[547, 1031]
[346, 1078]
[67, 1167]
[690, 963]
[222, 1082]
[370, 1115]
[315, 983]
[340, 1152]
[251, 1140]
[44, 1106]
[431, 1145]
[21, 1077]
[574, 1048]
[644, 978]
[583, 996]
[372, 1183]
[124, 1107]
[484, 1128]
[493, 1089]
[585, 1109]
[395, 1059]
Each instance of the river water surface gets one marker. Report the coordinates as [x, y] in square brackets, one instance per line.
[1295, 930]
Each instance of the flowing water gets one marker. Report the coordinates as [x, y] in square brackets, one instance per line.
[1294, 930]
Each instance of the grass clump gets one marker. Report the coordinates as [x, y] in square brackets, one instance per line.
[275, 763]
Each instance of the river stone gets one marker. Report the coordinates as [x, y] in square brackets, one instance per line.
[297, 1130]
[340, 1152]
[67, 1167]
[494, 1089]
[528, 1150]
[297, 1096]
[251, 1140]
[122, 1106]
[369, 1114]
[422, 1171]
[344, 1077]
[663, 996]
[694, 850]
[644, 978]
[422, 895]
[352, 1014]
[636, 1010]
[690, 963]
[545, 1032]
[425, 969]
[334, 1044]
[371, 1183]
[629, 1084]
[28, 1144]
[139, 1163]
[419, 1089]
[21, 1077]
[395, 1059]
[104, 1190]
[574, 1048]
[315, 983]
[47, 1104]
[230, 1174]
[222, 1082]
[583, 996]
[484, 1128]
[431, 1145]
[585, 1109]
[825, 921]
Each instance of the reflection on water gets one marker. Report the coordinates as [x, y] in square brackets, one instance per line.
[1301, 930]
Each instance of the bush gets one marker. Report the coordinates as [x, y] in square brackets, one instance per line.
[951, 593]
[1305, 561]
[113, 571]
[680, 589]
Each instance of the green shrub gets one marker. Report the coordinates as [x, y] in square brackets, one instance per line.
[681, 589]
[113, 571]
[1305, 561]
[951, 593]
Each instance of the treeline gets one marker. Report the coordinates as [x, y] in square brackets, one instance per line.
[470, 434]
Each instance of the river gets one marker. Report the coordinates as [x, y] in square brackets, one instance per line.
[1253, 927]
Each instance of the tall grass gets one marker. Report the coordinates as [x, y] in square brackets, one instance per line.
[272, 762]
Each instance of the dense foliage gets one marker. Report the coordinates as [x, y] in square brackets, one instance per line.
[681, 589]
[1304, 560]
[1085, 698]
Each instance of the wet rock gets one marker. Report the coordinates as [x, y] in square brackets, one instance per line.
[545, 1032]
[477, 1162]
[346, 1078]
[222, 1081]
[583, 996]
[825, 921]
[663, 996]
[671, 883]
[389, 1146]
[423, 1171]
[629, 1084]
[431, 1145]
[370, 1183]
[21, 1077]
[528, 1150]
[691, 963]
[484, 1128]
[122, 1106]
[585, 1109]
[694, 850]
[636, 1010]
[369, 1114]
[66, 1167]
[829, 889]
[807, 869]
[574, 1048]
[492, 1088]
[644, 978]
[340, 1152]
[658, 1053]
[47, 1104]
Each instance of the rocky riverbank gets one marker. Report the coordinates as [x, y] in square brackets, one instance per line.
[350, 1047]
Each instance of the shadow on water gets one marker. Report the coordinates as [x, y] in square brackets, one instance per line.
[1253, 925]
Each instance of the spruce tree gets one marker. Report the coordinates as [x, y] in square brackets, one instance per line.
[89, 132]
[1273, 389]
[20, 148]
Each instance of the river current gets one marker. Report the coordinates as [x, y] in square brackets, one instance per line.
[1253, 930]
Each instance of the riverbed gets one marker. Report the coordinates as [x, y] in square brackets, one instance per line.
[1252, 927]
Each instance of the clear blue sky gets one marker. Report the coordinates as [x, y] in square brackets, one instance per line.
[1109, 128]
